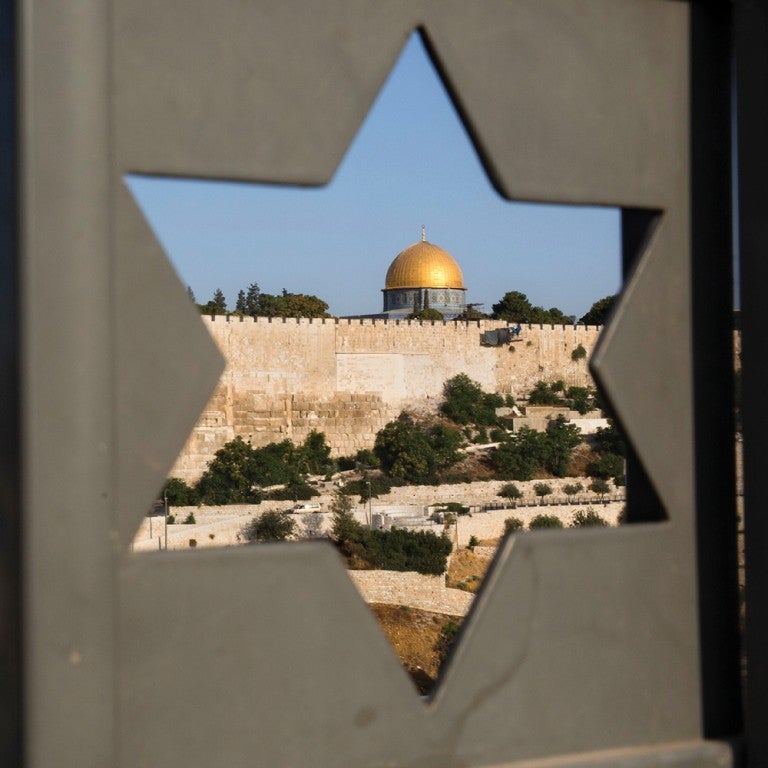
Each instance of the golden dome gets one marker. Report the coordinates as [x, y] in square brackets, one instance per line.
[424, 265]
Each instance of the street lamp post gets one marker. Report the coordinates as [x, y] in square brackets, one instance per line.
[165, 499]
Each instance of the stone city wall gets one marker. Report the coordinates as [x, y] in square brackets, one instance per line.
[348, 378]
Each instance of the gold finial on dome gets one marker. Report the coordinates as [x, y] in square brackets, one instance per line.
[423, 234]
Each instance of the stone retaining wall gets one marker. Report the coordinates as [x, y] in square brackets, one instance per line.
[427, 593]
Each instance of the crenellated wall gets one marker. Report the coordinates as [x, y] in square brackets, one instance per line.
[348, 378]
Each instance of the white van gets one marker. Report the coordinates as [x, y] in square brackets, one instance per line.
[307, 507]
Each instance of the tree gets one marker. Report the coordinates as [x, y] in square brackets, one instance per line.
[599, 487]
[273, 464]
[252, 299]
[513, 307]
[410, 453]
[542, 489]
[579, 399]
[561, 438]
[178, 493]
[426, 314]
[610, 440]
[586, 518]
[303, 305]
[466, 403]
[599, 311]
[404, 451]
[545, 521]
[229, 478]
[608, 465]
[314, 454]
[291, 305]
[240, 305]
[510, 491]
[272, 525]
[191, 295]
[445, 442]
[518, 457]
[461, 397]
[571, 489]
[472, 313]
[512, 525]
[344, 527]
[544, 394]
[220, 302]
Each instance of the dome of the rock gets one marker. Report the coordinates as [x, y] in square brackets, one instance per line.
[424, 276]
[424, 265]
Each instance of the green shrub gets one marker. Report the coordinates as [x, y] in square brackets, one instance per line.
[520, 455]
[512, 524]
[171, 519]
[580, 399]
[560, 439]
[179, 494]
[542, 489]
[345, 463]
[545, 521]
[571, 489]
[190, 519]
[510, 491]
[607, 465]
[272, 525]
[394, 550]
[543, 394]
[412, 453]
[579, 353]
[473, 542]
[366, 458]
[466, 403]
[587, 517]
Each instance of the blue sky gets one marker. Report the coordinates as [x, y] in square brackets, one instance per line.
[411, 163]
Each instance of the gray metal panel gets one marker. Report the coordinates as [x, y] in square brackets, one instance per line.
[69, 557]
[274, 91]
[572, 100]
[576, 643]
[259, 655]
[654, 398]
[569, 101]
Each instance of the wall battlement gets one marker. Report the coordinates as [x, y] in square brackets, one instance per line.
[484, 324]
[348, 377]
